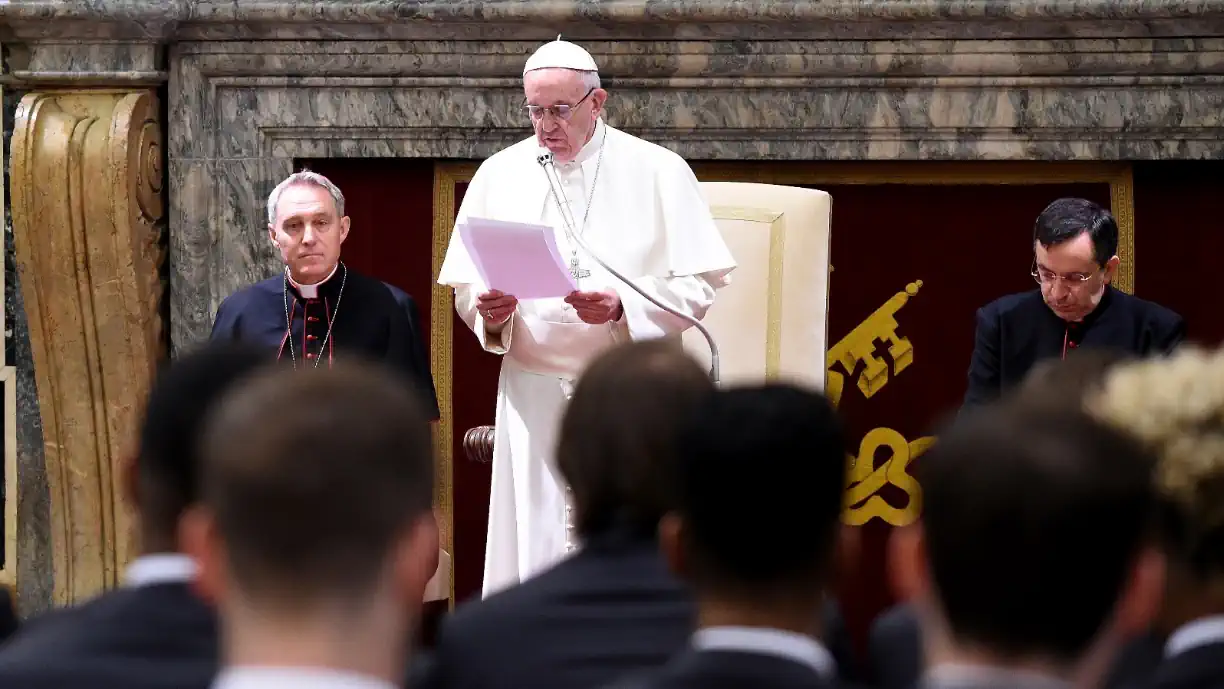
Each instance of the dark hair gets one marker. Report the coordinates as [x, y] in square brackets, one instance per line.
[1192, 542]
[1033, 516]
[617, 441]
[313, 476]
[1067, 380]
[1068, 218]
[762, 478]
[184, 392]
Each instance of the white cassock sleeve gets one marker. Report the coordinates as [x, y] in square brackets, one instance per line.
[691, 294]
[459, 271]
[493, 339]
[697, 257]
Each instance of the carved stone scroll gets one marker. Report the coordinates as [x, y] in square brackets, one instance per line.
[87, 208]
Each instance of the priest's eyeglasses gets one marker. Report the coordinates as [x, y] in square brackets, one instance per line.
[560, 111]
[1049, 277]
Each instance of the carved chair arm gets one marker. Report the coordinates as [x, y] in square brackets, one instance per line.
[478, 444]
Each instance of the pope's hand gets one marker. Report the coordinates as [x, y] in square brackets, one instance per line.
[496, 307]
[596, 307]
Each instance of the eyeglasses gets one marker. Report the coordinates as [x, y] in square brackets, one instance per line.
[560, 111]
[1049, 277]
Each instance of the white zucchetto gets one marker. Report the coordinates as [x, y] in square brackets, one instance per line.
[561, 54]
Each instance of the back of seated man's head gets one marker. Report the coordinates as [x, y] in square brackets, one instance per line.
[1066, 381]
[1034, 545]
[761, 481]
[617, 441]
[162, 480]
[317, 490]
[1175, 407]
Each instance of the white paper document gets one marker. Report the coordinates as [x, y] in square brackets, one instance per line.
[517, 258]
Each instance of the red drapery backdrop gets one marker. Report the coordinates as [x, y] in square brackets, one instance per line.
[966, 243]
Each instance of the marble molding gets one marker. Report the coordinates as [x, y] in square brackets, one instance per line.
[189, 20]
[251, 85]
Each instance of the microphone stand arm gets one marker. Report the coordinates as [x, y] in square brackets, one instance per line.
[546, 162]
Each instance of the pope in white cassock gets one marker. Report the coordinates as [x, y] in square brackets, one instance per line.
[639, 207]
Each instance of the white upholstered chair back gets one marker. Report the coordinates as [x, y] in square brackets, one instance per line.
[771, 322]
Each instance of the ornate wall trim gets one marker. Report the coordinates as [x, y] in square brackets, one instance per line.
[87, 221]
[442, 326]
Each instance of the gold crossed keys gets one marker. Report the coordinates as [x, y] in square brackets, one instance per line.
[869, 473]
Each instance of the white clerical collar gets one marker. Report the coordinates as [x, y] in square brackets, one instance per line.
[949, 675]
[590, 149]
[776, 642]
[1200, 632]
[310, 291]
[250, 677]
[159, 568]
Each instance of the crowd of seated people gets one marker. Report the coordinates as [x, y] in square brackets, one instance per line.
[1072, 536]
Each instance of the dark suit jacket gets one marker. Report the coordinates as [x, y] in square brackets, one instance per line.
[1017, 331]
[611, 609]
[150, 637]
[695, 669]
[894, 649]
[895, 653]
[1201, 667]
[839, 644]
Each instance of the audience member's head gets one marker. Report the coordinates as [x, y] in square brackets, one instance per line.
[162, 479]
[316, 526]
[761, 481]
[1067, 381]
[617, 441]
[1034, 545]
[1175, 406]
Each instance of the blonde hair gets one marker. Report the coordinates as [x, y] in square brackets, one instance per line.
[1175, 406]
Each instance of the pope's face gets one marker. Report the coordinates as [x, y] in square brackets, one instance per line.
[308, 231]
[568, 110]
[1072, 282]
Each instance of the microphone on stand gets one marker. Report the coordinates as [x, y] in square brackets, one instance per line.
[546, 162]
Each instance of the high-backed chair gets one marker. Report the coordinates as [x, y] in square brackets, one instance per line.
[771, 321]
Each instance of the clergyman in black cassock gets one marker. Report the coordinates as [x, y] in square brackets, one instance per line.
[365, 317]
[1018, 331]
[1075, 260]
[320, 310]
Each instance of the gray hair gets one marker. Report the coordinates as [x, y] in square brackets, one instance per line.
[590, 80]
[306, 178]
